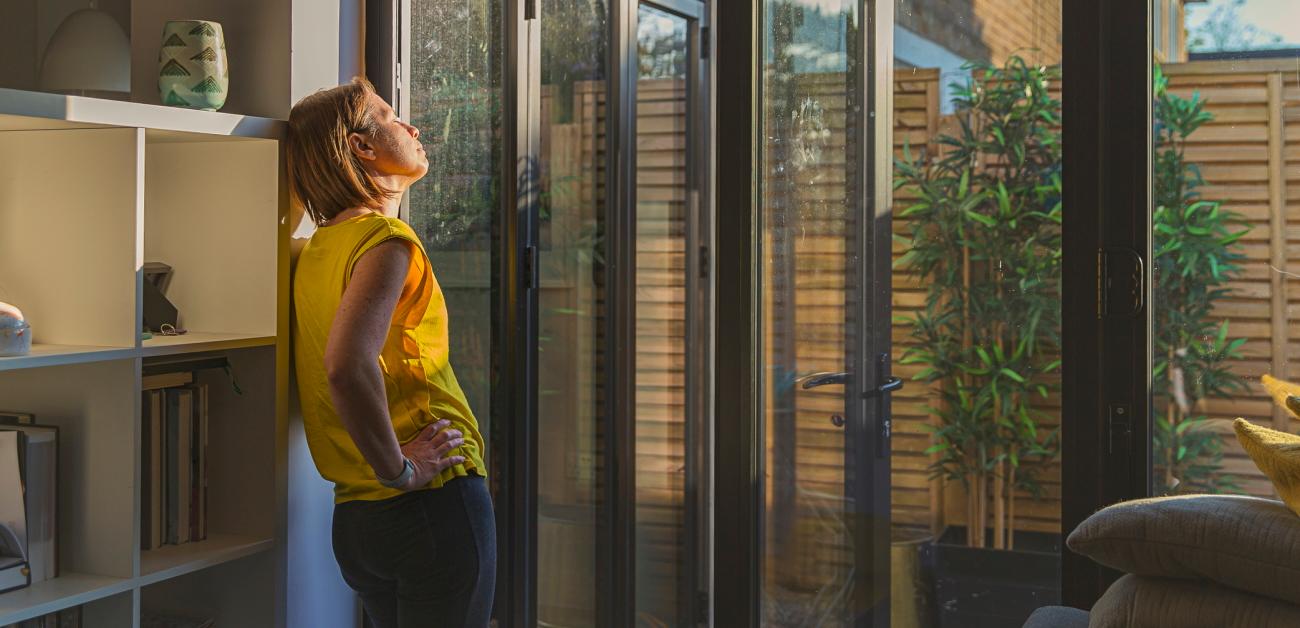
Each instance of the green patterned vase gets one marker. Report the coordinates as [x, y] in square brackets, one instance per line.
[192, 68]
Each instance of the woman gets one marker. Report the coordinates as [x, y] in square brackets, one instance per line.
[385, 418]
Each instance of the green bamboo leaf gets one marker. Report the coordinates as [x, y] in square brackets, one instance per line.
[1013, 375]
[1232, 239]
[982, 219]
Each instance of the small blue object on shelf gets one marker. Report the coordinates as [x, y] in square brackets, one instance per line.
[15, 336]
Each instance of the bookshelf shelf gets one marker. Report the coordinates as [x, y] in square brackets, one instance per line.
[22, 110]
[44, 355]
[66, 591]
[61, 355]
[202, 193]
[177, 560]
[96, 188]
[193, 342]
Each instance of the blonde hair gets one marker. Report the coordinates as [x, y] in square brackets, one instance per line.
[325, 176]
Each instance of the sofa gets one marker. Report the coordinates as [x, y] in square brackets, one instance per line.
[1193, 561]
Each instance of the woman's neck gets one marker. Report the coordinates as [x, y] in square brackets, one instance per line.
[390, 209]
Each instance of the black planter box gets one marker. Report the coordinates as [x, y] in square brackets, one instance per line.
[988, 588]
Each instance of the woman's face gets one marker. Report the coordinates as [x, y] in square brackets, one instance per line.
[393, 152]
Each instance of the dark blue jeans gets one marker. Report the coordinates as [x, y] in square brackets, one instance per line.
[421, 559]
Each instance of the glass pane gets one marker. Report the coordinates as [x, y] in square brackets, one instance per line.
[455, 101]
[572, 300]
[976, 483]
[662, 216]
[808, 210]
[1224, 155]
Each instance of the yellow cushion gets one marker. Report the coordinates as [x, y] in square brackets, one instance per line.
[1284, 393]
[1277, 454]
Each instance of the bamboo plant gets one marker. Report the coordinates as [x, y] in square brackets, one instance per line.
[985, 238]
[1194, 255]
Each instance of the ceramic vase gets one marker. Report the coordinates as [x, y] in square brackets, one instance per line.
[192, 68]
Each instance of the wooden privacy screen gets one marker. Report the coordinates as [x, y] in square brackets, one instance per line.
[1250, 159]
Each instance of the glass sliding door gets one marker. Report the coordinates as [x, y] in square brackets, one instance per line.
[824, 303]
[573, 298]
[563, 214]
[445, 64]
[670, 306]
[455, 100]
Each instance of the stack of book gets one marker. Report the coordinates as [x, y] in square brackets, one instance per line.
[174, 486]
[66, 618]
[29, 468]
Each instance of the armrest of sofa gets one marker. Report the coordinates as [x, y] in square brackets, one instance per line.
[1057, 617]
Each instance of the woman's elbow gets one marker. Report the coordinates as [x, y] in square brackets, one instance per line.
[339, 371]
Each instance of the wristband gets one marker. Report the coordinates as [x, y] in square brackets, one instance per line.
[408, 470]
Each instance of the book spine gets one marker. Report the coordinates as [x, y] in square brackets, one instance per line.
[171, 447]
[156, 440]
[184, 464]
[203, 463]
[146, 469]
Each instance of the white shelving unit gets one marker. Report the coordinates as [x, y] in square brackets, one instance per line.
[91, 190]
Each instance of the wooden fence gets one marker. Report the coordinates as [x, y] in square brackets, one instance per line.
[1250, 159]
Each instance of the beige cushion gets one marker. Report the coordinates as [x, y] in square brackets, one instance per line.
[1246, 543]
[1139, 602]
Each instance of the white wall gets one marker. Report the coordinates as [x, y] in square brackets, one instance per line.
[328, 48]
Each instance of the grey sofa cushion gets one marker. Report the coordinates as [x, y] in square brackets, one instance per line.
[1247, 543]
[1057, 617]
[1139, 602]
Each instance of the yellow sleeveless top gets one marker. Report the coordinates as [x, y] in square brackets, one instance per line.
[418, 378]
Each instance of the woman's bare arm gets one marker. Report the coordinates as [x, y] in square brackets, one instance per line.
[356, 383]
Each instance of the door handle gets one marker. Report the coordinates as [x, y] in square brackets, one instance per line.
[822, 379]
[889, 386]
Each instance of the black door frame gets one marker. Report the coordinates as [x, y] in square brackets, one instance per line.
[1107, 181]
[738, 450]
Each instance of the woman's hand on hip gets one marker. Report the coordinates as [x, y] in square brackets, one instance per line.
[430, 452]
